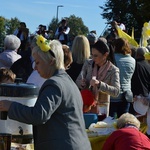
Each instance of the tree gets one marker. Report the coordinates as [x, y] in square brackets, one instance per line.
[133, 13]
[11, 25]
[75, 23]
[2, 32]
[77, 26]
[52, 27]
[7, 26]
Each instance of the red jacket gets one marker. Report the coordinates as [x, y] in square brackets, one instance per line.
[128, 138]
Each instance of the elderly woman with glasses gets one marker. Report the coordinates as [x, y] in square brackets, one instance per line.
[57, 116]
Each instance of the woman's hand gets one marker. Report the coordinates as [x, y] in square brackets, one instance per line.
[83, 83]
[94, 82]
[4, 105]
[145, 101]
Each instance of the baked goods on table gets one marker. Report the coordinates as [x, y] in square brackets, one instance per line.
[105, 127]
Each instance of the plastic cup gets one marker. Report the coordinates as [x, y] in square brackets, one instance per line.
[139, 107]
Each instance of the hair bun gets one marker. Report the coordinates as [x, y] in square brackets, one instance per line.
[101, 46]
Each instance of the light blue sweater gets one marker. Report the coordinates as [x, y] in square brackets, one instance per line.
[126, 65]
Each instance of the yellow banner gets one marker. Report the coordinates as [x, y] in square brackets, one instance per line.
[124, 35]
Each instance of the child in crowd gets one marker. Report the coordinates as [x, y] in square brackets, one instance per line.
[67, 56]
[7, 76]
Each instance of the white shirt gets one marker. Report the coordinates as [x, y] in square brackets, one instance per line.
[36, 79]
[61, 37]
[122, 26]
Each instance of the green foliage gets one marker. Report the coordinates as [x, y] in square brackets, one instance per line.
[2, 31]
[7, 27]
[133, 13]
[53, 26]
[77, 26]
[11, 25]
[2, 24]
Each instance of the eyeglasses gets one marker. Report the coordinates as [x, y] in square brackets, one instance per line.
[94, 55]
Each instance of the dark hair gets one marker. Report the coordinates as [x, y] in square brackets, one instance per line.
[63, 20]
[122, 46]
[101, 46]
[40, 25]
[23, 23]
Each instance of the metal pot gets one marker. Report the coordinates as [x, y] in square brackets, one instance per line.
[19, 92]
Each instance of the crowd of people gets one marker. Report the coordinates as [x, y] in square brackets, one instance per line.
[106, 68]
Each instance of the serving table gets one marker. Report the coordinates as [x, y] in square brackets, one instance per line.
[96, 142]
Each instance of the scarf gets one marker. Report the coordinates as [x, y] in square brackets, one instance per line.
[100, 74]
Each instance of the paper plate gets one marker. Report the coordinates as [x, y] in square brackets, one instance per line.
[140, 108]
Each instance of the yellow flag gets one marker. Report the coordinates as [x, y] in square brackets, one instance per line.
[124, 35]
[132, 36]
[145, 34]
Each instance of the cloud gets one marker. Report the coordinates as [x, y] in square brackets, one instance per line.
[65, 4]
[44, 3]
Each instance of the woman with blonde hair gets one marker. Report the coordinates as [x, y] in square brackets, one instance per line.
[80, 53]
[128, 136]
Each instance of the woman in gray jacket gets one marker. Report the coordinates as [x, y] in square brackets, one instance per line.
[57, 116]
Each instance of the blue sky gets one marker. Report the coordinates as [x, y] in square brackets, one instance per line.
[35, 12]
